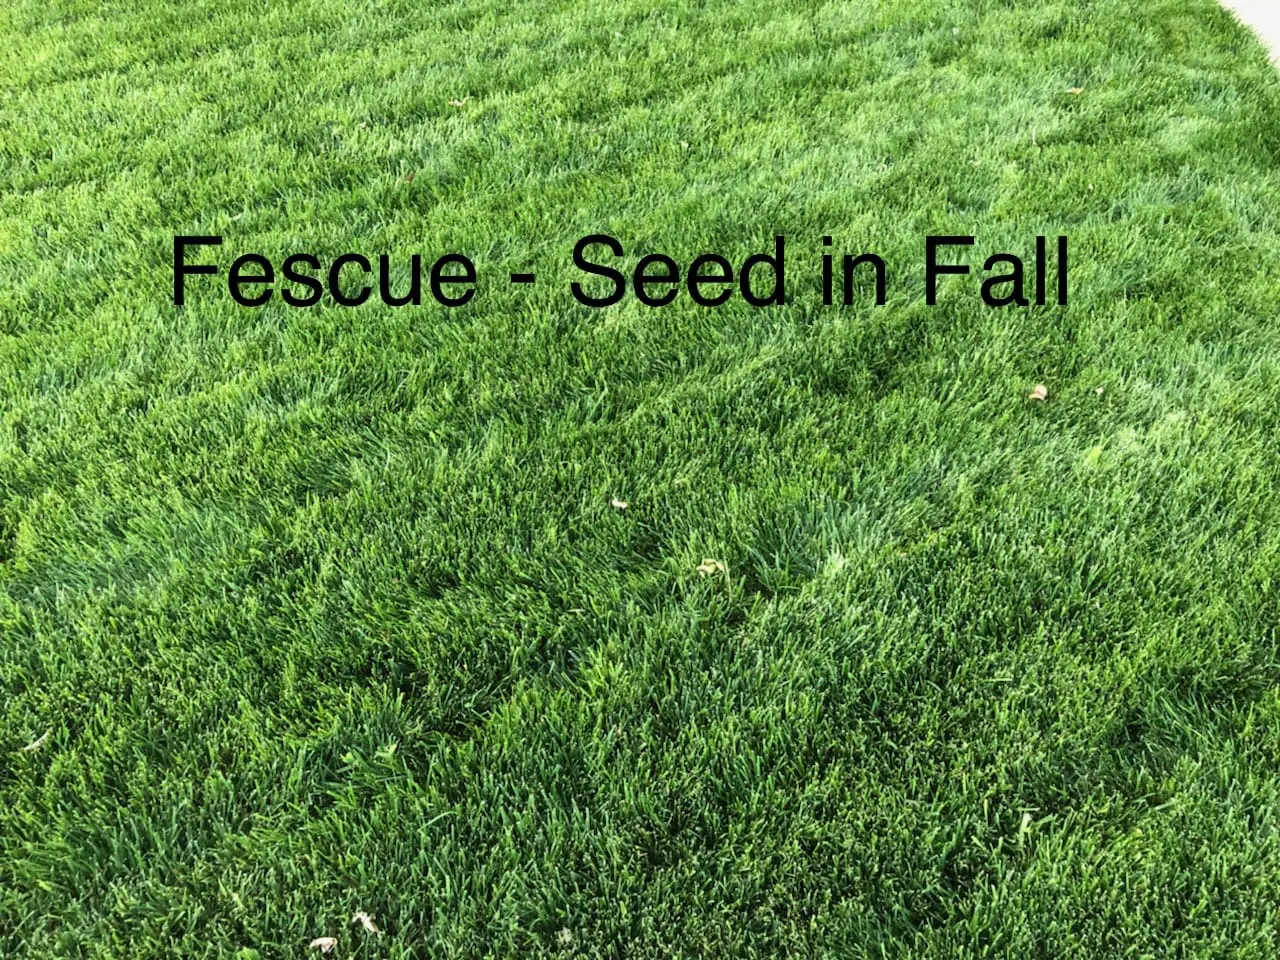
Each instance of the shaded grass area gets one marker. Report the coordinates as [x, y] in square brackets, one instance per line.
[328, 610]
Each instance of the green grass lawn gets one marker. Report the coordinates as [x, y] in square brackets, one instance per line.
[328, 610]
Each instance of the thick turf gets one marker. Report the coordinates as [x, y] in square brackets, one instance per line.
[326, 610]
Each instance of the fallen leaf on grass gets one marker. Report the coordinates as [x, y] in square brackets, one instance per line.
[37, 743]
[619, 504]
[1076, 91]
[708, 566]
[408, 177]
[366, 921]
[323, 944]
[1041, 392]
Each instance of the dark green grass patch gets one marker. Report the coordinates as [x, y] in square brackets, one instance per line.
[328, 610]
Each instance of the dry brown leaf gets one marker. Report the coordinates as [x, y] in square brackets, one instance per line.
[37, 743]
[619, 504]
[323, 944]
[408, 177]
[366, 921]
[1041, 392]
[709, 566]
